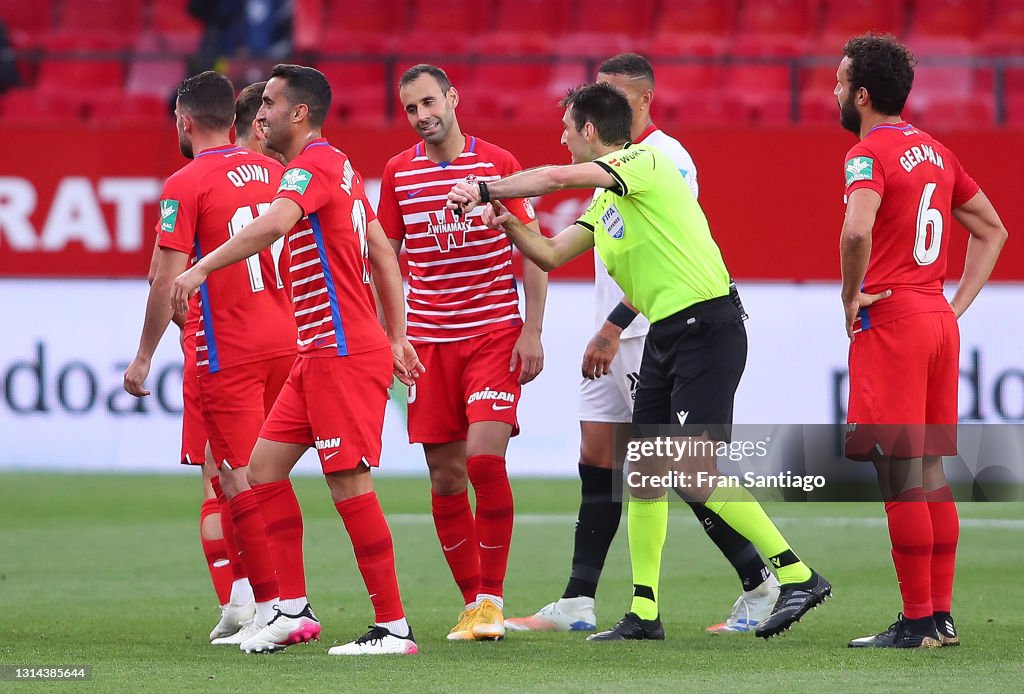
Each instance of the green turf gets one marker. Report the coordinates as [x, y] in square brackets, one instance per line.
[106, 571]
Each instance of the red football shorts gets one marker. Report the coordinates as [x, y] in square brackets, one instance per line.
[337, 405]
[904, 376]
[236, 401]
[466, 381]
[193, 430]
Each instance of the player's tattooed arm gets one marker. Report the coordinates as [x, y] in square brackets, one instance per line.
[546, 253]
[988, 235]
[604, 345]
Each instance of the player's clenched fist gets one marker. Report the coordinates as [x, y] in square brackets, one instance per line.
[185, 285]
[135, 377]
[464, 196]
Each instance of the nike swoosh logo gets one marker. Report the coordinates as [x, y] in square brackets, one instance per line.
[457, 544]
[499, 408]
[414, 193]
[331, 455]
[483, 546]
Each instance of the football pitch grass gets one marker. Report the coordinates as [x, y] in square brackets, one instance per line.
[106, 571]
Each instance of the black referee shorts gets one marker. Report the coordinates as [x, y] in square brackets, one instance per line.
[691, 367]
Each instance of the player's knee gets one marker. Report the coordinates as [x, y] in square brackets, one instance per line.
[449, 479]
[234, 482]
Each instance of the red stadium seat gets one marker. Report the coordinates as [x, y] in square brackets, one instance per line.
[630, 17]
[565, 76]
[697, 109]
[359, 90]
[685, 46]
[1006, 30]
[1015, 110]
[943, 70]
[155, 76]
[33, 106]
[177, 29]
[363, 26]
[949, 18]
[27, 21]
[506, 83]
[118, 22]
[531, 17]
[448, 17]
[761, 79]
[131, 109]
[81, 63]
[956, 114]
[842, 19]
[819, 109]
[701, 17]
[308, 22]
[818, 104]
[123, 17]
[791, 18]
[589, 46]
[368, 15]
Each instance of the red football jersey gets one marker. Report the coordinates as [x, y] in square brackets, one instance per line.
[460, 272]
[330, 272]
[244, 315]
[920, 181]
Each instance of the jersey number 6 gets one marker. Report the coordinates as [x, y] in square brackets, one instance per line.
[927, 253]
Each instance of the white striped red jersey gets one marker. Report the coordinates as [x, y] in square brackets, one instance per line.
[460, 272]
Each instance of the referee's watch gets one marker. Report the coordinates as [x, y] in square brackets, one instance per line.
[485, 195]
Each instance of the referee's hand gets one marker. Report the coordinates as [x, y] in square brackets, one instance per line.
[602, 348]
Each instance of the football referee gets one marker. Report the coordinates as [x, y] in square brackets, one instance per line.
[654, 239]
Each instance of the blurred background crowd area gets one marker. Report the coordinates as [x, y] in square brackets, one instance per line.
[717, 62]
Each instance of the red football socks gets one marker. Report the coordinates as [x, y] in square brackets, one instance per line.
[217, 561]
[283, 519]
[375, 553]
[495, 513]
[251, 535]
[910, 530]
[945, 534]
[228, 531]
[456, 529]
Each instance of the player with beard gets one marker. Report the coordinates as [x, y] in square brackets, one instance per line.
[243, 333]
[336, 391]
[904, 188]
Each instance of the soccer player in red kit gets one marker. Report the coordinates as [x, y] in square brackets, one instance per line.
[464, 320]
[234, 594]
[903, 190]
[245, 338]
[336, 392]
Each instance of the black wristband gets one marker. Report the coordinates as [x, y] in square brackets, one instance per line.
[621, 315]
[485, 195]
